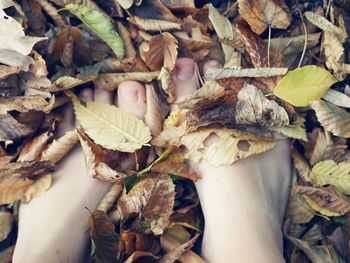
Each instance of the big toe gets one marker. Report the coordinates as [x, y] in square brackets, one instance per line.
[132, 98]
[185, 77]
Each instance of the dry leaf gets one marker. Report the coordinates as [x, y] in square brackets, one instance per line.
[110, 81]
[111, 127]
[329, 172]
[153, 116]
[166, 80]
[322, 147]
[162, 52]
[140, 256]
[6, 71]
[325, 198]
[302, 167]
[168, 243]
[337, 98]
[11, 129]
[133, 241]
[333, 119]
[21, 181]
[243, 73]
[153, 199]
[261, 14]
[101, 163]
[298, 210]
[60, 147]
[15, 47]
[105, 240]
[253, 108]
[176, 252]
[32, 149]
[153, 24]
[22, 104]
[110, 197]
[297, 131]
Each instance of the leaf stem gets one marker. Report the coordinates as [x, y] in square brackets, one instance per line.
[306, 35]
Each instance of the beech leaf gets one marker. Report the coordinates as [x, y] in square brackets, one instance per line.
[111, 127]
[100, 25]
[303, 85]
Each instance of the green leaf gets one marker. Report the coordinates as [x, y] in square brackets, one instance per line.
[303, 85]
[100, 25]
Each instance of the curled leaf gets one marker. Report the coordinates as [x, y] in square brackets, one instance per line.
[243, 73]
[154, 24]
[22, 104]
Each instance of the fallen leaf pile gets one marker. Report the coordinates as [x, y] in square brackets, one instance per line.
[285, 66]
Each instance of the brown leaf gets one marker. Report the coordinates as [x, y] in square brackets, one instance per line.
[257, 49]
[60, 147]
[132, 241]
[298, 211]
[162, 52]
[153, 116]
[167, 84]
[102, 232]
[101, 163]
[6, 222]
[176, 167]
[153, 199]
[6, 71]
[22, 180]
[38, 69]
[141, 257]
[326, 197]
[303, 168]
[322, 147]
[32, 149]
[168, 244]
[22, 104]
[261, 14]
[153, 24]
[11, 129]
[176, 252]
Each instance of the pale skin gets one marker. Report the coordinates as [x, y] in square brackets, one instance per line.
[243, 204]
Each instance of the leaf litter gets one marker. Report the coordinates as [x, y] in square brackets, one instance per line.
[282, 74]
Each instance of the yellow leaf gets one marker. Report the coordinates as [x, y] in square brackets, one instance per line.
[333, 119]
[111, 127]
[303, 85]
[329, 172]
[297, 131]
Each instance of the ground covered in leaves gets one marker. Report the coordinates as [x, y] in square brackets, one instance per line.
[284, 71]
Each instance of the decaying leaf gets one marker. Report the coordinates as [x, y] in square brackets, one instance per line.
[105, 240]
[296, 131]
[23, 104]
[176, 252]
[60, 147]
[329, 172]
[302, 167]
[298, 210]
[303, 85]
[140, 256]
[111, 127]
[243, 73]
[153, 199]
[162, 52]
[261, 14]
[101, 163]
[100, 25]
[337, 98]
[153, 116]
[133, 241]
[110, 197]
[154, 24]
[15, 47]
[11, 129]
[334, 119]
[33, 149]
[110, 81]
[23, 180]
[166, 80]
[325, 200]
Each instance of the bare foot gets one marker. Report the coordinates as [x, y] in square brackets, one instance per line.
[243, 204]
[58, 219]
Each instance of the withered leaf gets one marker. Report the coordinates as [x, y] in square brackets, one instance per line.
[166, 80]
[154, 24]
[140, 256]
[334, 119]
[261, 14]
[11, 129]
[102, 233]
[22, 104]
[326, 197]
[152, 198]
[243, 73]
[153, 116]
[6, 221]
[133, 241]
[162, 52]
[110, 197]
[176, 167]
[302, 167]
[33, 149]
[298, 210]
[22, 180]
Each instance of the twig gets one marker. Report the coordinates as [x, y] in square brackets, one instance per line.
[305, 32]
[52, 12]
[268, 47]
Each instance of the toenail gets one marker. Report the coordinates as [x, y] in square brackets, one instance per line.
[213, 63]
[185, 71]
